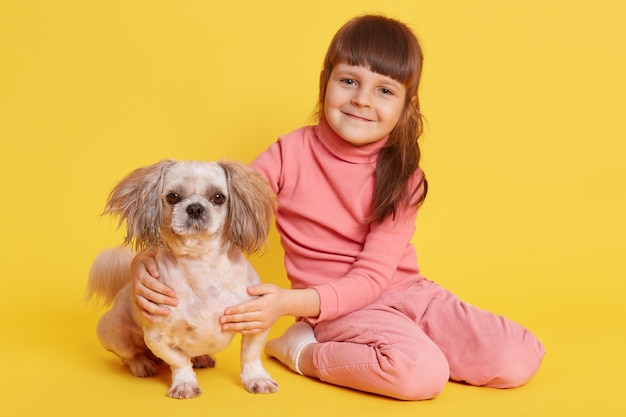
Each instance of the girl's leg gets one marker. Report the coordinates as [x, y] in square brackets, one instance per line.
[379, 350]
[482, 348]
[376, 350]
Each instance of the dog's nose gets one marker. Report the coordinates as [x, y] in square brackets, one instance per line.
[195, 210]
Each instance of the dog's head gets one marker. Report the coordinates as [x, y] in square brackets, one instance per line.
[179, 201]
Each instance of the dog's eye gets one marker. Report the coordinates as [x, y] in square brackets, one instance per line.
[218, 199]
[173, 198]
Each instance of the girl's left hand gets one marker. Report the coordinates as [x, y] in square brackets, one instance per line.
[256, 315]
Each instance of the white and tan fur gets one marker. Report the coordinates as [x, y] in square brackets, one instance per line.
[200, 218]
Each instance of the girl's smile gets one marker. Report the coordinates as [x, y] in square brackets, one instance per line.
[354, 116]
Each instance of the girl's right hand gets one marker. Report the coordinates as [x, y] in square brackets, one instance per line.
[150, 295]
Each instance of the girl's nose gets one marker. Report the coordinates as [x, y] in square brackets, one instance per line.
[361, 98]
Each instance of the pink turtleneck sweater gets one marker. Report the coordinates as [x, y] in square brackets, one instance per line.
[325, 191]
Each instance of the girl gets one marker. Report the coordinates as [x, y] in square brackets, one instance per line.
[348, 192]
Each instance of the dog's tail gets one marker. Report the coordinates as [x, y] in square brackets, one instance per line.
[108, 274]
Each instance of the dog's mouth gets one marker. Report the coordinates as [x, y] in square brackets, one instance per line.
[196, 226]
[193, 229]
[192, 226]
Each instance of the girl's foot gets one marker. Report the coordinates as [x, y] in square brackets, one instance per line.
[288, 347]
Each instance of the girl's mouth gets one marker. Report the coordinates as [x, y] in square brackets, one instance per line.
[356, 117]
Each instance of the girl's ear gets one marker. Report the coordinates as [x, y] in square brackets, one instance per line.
[136, 200]
[251, 205]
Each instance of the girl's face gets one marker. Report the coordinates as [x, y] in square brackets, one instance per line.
[362, 106]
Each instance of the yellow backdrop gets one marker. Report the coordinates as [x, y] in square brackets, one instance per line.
[524, 149]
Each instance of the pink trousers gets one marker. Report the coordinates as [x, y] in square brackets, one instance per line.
[410, 343]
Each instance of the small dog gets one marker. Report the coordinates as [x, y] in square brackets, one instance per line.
[199, 218]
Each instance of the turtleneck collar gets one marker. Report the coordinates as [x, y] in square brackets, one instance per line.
[365, 154]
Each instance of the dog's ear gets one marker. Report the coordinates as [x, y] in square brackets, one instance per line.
[136, 200]
[250, 207]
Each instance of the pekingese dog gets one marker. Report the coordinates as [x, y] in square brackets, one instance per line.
[200, 218]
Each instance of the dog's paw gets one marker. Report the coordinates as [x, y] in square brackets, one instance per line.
[256, 379]
[204, 361]
[141, 366]
[261, 386]
[184, 390]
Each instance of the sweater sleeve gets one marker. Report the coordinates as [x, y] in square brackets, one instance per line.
[386, 249]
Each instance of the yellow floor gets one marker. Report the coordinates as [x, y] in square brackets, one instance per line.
[53, 365]
[524, 149]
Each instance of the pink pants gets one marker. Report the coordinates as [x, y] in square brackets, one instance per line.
[410, 343]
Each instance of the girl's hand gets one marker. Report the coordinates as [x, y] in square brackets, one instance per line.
[272, 302]
[147, 291]
[258, 314]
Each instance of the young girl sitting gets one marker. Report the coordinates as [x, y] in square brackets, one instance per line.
[348, 192]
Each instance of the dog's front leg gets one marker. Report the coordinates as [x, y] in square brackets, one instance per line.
[184, 381]
[253, 375]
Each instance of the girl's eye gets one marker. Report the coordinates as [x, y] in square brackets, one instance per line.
[218, 199]
[348, 81]
[386, 91]
[173, 198]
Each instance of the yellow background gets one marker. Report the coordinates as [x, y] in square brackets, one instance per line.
[524, 149]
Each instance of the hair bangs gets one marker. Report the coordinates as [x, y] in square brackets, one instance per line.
[368, 44]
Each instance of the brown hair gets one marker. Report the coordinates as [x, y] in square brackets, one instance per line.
[388, 47]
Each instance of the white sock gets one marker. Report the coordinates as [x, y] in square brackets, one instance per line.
[288, 347]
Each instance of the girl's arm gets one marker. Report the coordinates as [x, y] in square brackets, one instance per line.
[148, 293]
[386, 254]
[386, 247]
[383, 250]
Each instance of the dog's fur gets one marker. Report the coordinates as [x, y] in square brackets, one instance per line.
[200, 218]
